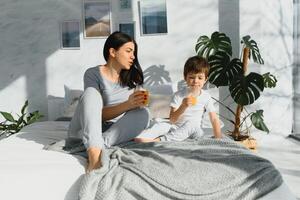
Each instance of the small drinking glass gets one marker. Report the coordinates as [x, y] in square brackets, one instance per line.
[145, 93]
[193, 93]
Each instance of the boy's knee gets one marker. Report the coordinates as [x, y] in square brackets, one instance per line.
[192, 124]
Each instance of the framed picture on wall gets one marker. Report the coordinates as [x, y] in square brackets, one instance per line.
[125, 4]
[97, 20]
[70, 34]
[128, 28]
[153, 17]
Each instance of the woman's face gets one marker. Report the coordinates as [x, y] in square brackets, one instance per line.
[125, 55]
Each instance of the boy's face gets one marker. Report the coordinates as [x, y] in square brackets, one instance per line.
[195, 80]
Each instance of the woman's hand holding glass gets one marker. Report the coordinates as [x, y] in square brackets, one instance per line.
[138, 98]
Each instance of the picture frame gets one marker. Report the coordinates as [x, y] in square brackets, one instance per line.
[70, 34]
[128, 28]
[125, 4]
[97, 19]
[153, 17]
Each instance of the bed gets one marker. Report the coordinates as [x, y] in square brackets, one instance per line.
[28, 171]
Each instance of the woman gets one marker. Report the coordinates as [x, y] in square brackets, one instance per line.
[110, 112]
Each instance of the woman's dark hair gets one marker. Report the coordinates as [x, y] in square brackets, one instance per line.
[133, 76]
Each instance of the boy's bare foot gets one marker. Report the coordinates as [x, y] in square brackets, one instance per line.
[145, 140]
[94, 159]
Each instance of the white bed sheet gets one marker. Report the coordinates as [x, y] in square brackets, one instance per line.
[29, 172]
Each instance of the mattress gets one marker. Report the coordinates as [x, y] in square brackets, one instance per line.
[27, 171]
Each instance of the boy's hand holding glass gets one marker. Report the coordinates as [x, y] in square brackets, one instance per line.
[193, 93]
[192, 99]
[187, 101]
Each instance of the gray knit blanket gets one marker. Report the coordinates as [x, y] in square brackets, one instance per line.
[203, 169]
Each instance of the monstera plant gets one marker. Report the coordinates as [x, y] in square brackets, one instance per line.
[244, 88]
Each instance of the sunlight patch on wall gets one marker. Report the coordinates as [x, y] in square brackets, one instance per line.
[13, 96]
[66, 67]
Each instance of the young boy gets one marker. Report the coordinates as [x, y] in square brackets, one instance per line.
[189, 104]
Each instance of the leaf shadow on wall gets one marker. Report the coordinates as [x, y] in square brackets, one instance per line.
[156, 75]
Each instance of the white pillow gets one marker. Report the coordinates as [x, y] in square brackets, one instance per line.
[159, 105]
[55, 107]
[159, 99]
[70, 101]
[159, 102]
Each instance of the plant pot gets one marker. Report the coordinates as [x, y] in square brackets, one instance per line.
[250, 143]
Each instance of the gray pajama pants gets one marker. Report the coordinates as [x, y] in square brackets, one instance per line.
[190, 129]
[87, 125]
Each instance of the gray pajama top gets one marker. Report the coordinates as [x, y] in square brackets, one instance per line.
[112, 93]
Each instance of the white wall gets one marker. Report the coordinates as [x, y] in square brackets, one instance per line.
[270, 24]
[296, 71]
[187, 20]
[229, 20]
[33, 66]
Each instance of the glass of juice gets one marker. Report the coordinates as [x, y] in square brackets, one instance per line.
[193, 93]
[145, 93]
[194, 100]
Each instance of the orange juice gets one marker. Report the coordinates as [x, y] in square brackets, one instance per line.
[194, 100]
[144, 93]
[146, 97]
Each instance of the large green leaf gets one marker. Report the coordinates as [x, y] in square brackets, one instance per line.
[254, 50]
[24, 107]
[222, 69]
[269, 80]
[246, 89]
[258, 121]
[8, 116]
[206, 46]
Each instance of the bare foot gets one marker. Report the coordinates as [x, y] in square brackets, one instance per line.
[94, 159]
[145, 140]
